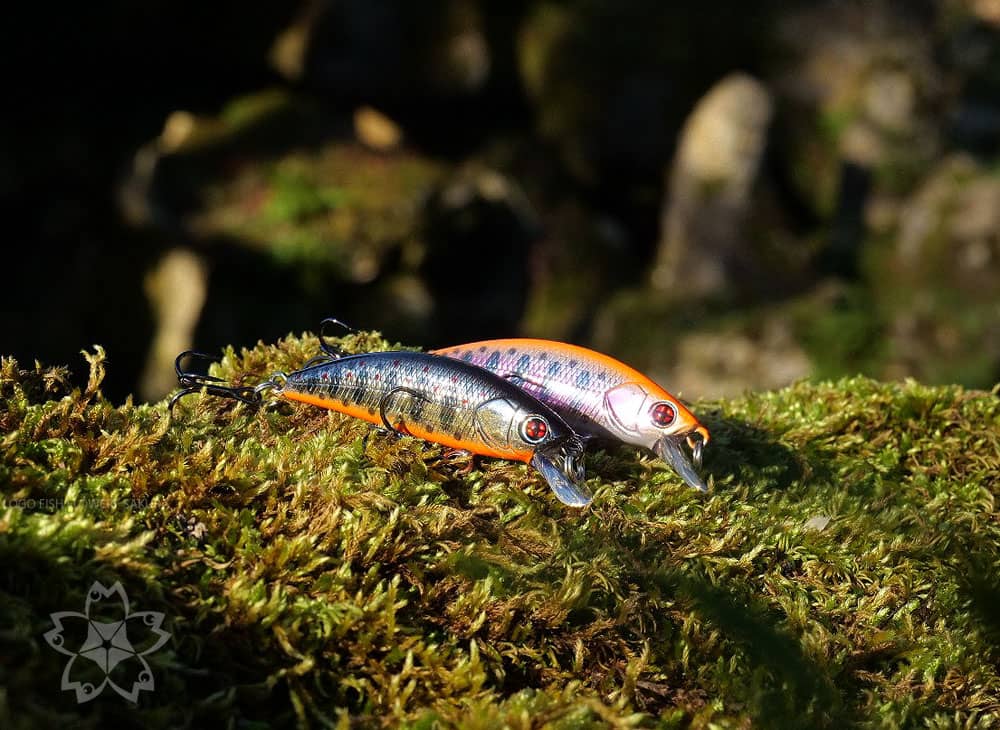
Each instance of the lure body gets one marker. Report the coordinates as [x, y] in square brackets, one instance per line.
[447, 402]
[596, 394]
[428, 397]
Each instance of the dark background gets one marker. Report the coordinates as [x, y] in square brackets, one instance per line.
[537, 187]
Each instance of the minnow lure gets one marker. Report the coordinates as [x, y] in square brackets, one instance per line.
[596, 394]
[430, 397]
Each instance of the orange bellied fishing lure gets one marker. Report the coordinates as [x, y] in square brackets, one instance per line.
[428, 396]
[596, 394]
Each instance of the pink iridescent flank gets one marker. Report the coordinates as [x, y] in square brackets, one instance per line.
[597, 395]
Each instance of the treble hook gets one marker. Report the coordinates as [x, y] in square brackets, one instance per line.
[329, 351]
[334, 353]
[192, 382]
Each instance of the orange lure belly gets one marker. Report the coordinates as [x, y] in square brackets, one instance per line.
[412, 429]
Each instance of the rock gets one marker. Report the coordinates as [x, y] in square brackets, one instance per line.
[463, 60]
[709, 191]
[288, 52]
[176, 288]
[949, 227]
[295, 219]
[611, 82]
[942, 294]
[246, 176]
[729, 361]
[699, 353]
[986, 10]
[861, 87]
[865, 91]
[375, 130]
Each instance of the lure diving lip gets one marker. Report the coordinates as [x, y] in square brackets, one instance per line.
[669, 449]
[430, 397]
[597, 395]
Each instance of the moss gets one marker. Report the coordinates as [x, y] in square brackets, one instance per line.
[841, 572]
[294, 198]
[342, 209]
[282, 175]
[841, 330]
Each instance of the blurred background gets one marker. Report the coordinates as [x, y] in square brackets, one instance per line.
[727, 198]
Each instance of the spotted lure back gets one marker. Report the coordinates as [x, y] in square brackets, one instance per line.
[430, 397]
[596, 394]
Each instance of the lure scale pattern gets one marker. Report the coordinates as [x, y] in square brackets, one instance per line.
[432, 398]
[576, 382]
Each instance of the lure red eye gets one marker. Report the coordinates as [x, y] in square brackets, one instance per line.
[534, 429]
[662, 414]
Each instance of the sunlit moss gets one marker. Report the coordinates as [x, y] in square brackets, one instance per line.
[841, 571]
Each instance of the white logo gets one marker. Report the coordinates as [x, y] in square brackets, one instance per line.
[111, 641]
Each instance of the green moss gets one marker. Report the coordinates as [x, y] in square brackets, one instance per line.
[841, 331]
[249, 110]
[342, 209]
[272, 172]
[295, 198]
[840, 573]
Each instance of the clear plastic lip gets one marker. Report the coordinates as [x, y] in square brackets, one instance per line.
[568, 492]
[671, 450]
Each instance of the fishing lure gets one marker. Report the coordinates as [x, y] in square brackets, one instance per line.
[597, 395]
[427, 396]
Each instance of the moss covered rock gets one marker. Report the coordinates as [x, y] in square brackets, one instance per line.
[841, 571]
[283, 176]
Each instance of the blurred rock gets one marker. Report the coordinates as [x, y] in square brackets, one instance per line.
[611, 82]
[890, 99]
[710, 188]
[729, 362]
[867, 64]
[288, 52]
[810, 211]
[375, 130]
[170, 172]
[458, 52]
[950, 227]
[973, 53]
[176, 288]
[986, 10]
[942, 282]
[295, 218]
[927, 306]
[864, 98]
[273, 172]
[699, 353]
[466, 62]
[343, 208]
